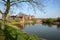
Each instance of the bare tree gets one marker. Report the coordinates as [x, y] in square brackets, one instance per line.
[9, 3]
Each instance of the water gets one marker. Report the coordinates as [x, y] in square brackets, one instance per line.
[49, 32]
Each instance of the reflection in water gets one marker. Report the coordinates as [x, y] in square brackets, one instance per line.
[30, 24]
[49, 25]
[41, 30]
[49, 32]
[23, 25]
[58, 25]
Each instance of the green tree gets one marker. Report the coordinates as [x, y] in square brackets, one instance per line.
[58, 19]
[48, 20]
[9, 3]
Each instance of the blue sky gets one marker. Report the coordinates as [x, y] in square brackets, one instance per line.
[52, 10]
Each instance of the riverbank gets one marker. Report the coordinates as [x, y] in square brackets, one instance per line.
[53, 21]
[49, 32]
[13, 34]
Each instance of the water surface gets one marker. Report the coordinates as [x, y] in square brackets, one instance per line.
[49, 32]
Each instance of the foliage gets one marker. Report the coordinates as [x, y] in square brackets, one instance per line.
[48, 20]
[13, 21]
[12, 33]
[58, 19]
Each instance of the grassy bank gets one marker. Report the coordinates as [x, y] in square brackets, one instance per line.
[13, 34]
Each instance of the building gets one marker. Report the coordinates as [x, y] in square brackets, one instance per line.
[31, 17]
[20, 16]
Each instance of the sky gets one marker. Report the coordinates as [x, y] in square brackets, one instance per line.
[51, 9]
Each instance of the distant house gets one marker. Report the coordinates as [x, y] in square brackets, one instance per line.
[12, 17]
[31, 17]
[25, 17]
[20, 16]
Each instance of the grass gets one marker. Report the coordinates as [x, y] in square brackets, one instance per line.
[22, 35]
[14, 34]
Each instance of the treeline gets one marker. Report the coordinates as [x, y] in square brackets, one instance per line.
[51, 20]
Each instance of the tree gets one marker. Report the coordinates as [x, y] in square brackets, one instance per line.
[58, 19]
[8, 3]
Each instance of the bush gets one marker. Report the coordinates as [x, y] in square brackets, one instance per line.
[48, 21]
[58, 19]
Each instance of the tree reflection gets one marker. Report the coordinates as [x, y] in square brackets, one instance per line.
[58, 25]
[22, 26]
[49, 25]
